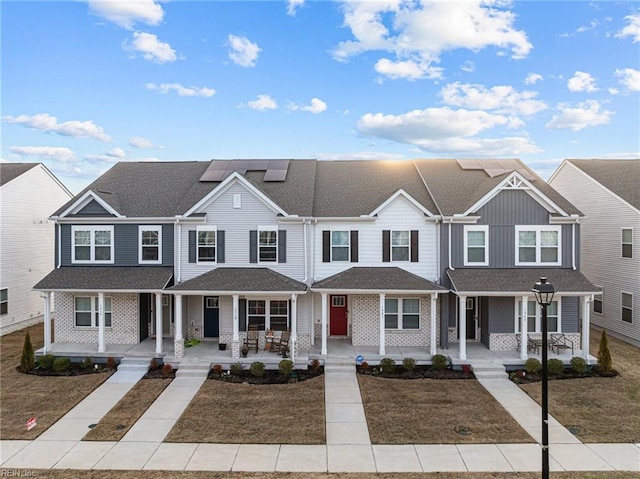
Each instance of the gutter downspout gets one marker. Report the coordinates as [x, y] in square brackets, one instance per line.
[177, 260]
[59, 228]
[449, 247]
[573, 245]
[306, 255]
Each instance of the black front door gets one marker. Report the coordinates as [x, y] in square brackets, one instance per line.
[471, 318]
[145, 314]
[211, 317]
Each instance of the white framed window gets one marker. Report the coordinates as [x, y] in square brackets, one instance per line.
[267, 245]
[400, 245]
[627, 242]
[86, 311]
[476, 245]
[340, 245]
[537, 245]
[4, 301]
[534, 317]
[268, 314]
[92, 244]
[206, 244]
[598, 302]
[150, 244]
[627, 307]
[212, 302]
[402, 313]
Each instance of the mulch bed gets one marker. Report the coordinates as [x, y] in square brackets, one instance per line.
[522, 377]
[419, 372]
[269, 376]
[158, 374]
[75, 369]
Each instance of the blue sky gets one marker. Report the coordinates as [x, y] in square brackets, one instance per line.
[88, 83]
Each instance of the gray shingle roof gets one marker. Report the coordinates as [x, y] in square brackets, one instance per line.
[10, 171]
[106, 278]
[241, 280]
[377, 279]
[622, 177]
[518, 280]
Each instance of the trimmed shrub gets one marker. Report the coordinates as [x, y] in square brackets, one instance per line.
[365, 365]
[111, 363]
[315, 365]
[217, 368]
[579, 365]
[604, 356]
[46, 362]
[387, 365]
[409, 364]
[285, 367]
[257, 369]
[167, 369]
[86, 363]
[533, 366]
[153, 364]
[438, 362]
[237, 368]
[61, 365]
[27, 361]
[555, 367]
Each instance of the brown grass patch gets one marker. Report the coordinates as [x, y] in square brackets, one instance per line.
[254, 414]
[117, 422]
[602, 409]
[430, 411]
[25, 395]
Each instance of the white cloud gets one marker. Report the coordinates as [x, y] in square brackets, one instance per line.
[56, 153]
[632, 29]
[409, 70]
[501, 98]
[48, 123]
[116, 153]
[151, 48]
[585, 114]
[243, 51]
[360, 155]
[533, 78]
[263, 102]
[418, 32]
[293, 5]
[109, 158]
[316, 106]
[468, 67]
[140, 142]
[181, 90]
[629, 77]
[127, 13]
[582, 81]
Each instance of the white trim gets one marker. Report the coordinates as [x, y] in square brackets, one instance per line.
[537, 314]
[407, 246]
[421, 292]
[92, 229]
[6, 300]
[268, 228]
[622, 242]
[84, 200]
[485, 229]
[157, 229]
[95, 310]
[400, 313]
[595, 296]
[348, 246]
[267, 312]
[398, 193]
[206, 228]
[538, 229]
[622, 307]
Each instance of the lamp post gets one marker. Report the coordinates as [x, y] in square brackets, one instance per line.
[544, 295]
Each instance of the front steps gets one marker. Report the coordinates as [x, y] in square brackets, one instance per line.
[134, 364]
[339, 366]
[489, 371]
[193, 370]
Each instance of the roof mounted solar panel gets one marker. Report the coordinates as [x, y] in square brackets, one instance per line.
[495, 167]
[219, 170]
[277, 170]
[215, 171]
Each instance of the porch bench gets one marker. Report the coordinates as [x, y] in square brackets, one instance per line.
[559, 341]
[532, 344]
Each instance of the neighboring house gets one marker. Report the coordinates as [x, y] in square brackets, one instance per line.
[29, 193]
[349, 249]
[608, 193]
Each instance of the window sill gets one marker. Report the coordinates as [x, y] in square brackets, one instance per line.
[91, 328]
[396, 330]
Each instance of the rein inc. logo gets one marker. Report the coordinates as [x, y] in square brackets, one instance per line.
[17, 473]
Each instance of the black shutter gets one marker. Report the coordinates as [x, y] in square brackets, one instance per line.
[253, 246]
[220, 247]
[414, 246]
[386, 246]
[326, 246]
[354, 246]
[282, 246]
[192, 246]
[242, 315]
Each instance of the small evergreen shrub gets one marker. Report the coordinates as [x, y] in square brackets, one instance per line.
[111, 363]
[86, 363]
[409, 364]
[438, 362]
[604, 356]
[46, 362]
[27, 361]
[217, 369]
[387, 365]
[533, 366]
[237, 368]
[61, 365]
[153, 364]
[167, 369]
[285, 367]
[257, 369]
[579, 365]
[555, 367]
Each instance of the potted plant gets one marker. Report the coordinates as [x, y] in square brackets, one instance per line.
[222, 346]
[244, 351]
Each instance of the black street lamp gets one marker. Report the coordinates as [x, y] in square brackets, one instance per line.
[544, 295]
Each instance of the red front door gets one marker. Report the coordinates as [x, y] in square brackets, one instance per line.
[338, 315]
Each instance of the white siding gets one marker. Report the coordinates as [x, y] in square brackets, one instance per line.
[27, 242]
[600, 253]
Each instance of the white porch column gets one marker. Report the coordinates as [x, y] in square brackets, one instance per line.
[462, 327]
[236, 317]
[47, 321]
[101, 324]
[434, 301]
[323, 351]
[524, 313]
[586, 313]
[178, 339]
[158, 323]
[382, 338]
[293, 339]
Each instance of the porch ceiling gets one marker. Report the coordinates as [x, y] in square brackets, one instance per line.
[517, 281]
[106, 278]
[240, 280]
[371, 279]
